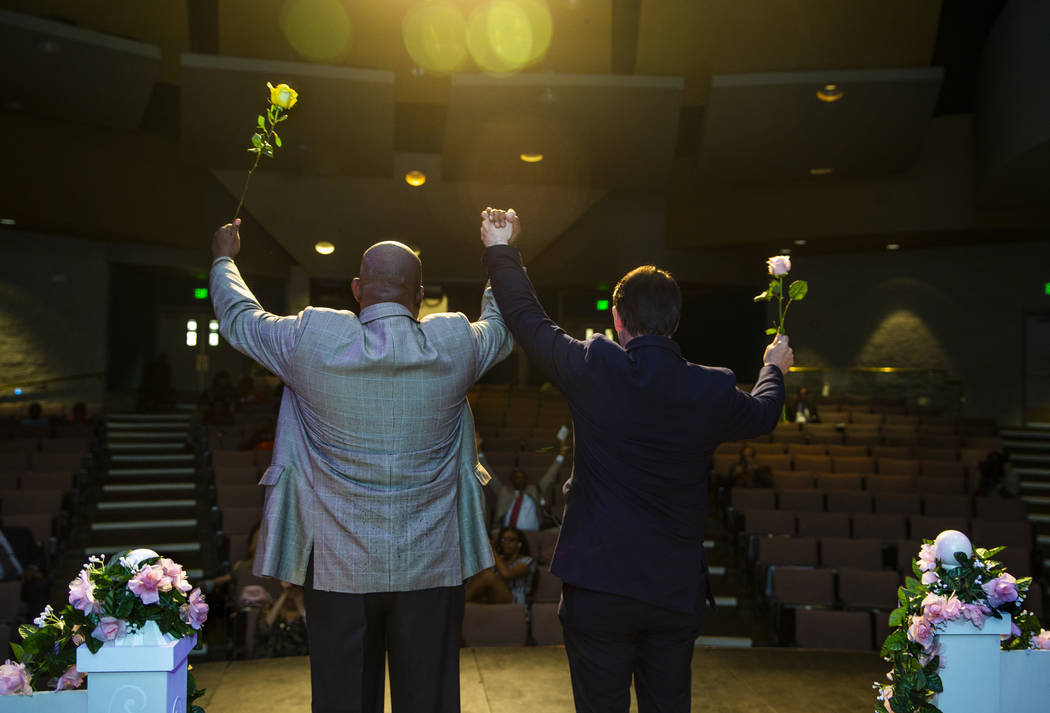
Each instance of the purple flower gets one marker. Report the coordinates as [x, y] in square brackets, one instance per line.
[195, 611]
[975, 614]
[1041, 640]
[13, 679]
[149, 582]
[70, 679]
[82, 594]
[1001, 590]
[176, 574]
[109, 628]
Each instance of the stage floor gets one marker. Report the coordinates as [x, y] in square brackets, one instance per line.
[536, 679]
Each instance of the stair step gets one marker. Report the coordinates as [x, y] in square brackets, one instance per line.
[1027, 445]
[726, 602]
[146, 487]
[147, 447]
[150, 417]
[1030, 458]
[1041, 472]
[164, 548]
[143, 524]
[1041, 518]
[1036, 499]
[138, 435]
[725, 642]
[145, 504]
[717, 570]
[1042, 539]
[115, 538]
[123, 429]
[1032, 434]
[148, 472]
[153, 458]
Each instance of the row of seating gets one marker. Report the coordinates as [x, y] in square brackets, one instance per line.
[872, 482]
[847, 464]
[859, 501]
[965, 455]
[969, 426]
[20, 432]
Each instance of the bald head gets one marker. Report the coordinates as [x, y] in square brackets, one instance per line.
[390, 272]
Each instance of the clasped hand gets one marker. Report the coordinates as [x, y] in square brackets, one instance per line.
[499, 227]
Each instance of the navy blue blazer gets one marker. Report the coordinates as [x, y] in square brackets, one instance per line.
[646, 423]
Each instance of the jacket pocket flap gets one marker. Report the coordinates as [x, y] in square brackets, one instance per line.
[272, 475]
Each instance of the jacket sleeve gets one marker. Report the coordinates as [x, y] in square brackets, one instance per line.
[492, 340]
[266, 338]
[555, 352]
[755, 414]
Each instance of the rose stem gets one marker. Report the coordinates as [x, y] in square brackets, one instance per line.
[258, 155]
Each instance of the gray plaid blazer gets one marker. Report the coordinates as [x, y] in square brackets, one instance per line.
[374, 466]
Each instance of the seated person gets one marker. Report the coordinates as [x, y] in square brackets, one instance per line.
[748, 473]
[803, 409]
[521, 504]
[282, 627]
[35, 416]
[510, 580]
[80, 414]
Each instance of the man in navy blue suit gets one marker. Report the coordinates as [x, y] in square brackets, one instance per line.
[646, 422]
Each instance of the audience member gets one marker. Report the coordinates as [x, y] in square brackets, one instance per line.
[749, 473]
[282, 627]
[80, 414]
[510, 579]
[803, 409]
[519, 503]
[35, 416]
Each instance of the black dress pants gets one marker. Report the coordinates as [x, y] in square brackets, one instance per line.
[351, 635]
[611, 639]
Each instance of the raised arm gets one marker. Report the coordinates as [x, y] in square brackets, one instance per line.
[556, 353]
[266, 338]
[757, 413]
[492, 340]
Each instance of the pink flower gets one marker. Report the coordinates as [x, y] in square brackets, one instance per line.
[195, 611]
[921, 632]
[933, 608]
[952, 609]
[70, 679]
[149, 582]
[929, 578]
[927, 656]
[1001, 590]
[109, 628]
[927, 559]
[1015, 630]
[13, 679]
[82, 594]
[779, 265]
[885, 695]
[176, 574]
[1041, 640]
[975, 614]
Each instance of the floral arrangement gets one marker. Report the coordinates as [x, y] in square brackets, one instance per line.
[779, 266]
[282, 99]
[107, 600]
[974, 588]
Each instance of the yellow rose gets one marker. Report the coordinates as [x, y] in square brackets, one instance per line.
[283, 96]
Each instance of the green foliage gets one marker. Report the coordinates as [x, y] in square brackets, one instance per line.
[798, 289]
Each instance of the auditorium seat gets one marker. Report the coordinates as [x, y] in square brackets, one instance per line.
[839, 552]
[902, 419]
[1034, 602]
[40, 524]
[803, 586]
[824, 524]
[236, 475]
[826, 437]
[494, 624]
[10, 598]
[849, 501]
[992, 533]
[862, 417]
[807, 463]
[548, 587]
[65, 445]
[546, 627]
[830, 629]
[9, 480]
[837, 451]
[898, 503]
[848, 464]
[948, 455]
[745, 499]
[243, 459]
[868, 589]
[882, 527]
[897, 452]
[834, 417]
[943, 505]
[56, 461]
[840, 481]
[765, 448]
[20, 445]
[898, 466]
[806, 449]
[14, 461]
[548, 540]
[807, 500]
[907, 553]
[769, 522]
[1003, 509]
[1018, 560]
[774, 461]
[939, 440]
[927, 528]
[942, 469]
[938, 485]
[61, 481]
[31, 502]
[881, 483]
[790, 480]
[788, 435]
[793, 551]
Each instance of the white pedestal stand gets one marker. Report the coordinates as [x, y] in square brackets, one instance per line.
[971, 673]
[143, 673]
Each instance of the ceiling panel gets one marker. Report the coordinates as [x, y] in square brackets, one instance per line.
[343, 123]
[56, 71]
[763, 126]
[599, 130]
[700, 38]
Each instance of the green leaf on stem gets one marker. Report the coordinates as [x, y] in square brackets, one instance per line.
[262, 122]
[277, 139]
[257, 140]
[774, 288]
[764, 297]
[18, 651]
[771, 330]
[253, 150]
[897, 616]
[798, 289]
[268, 152]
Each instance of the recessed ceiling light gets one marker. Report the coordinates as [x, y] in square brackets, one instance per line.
[785, 251]
[830, 93]
[531, 157]
[7, 221]
[821, 171]
[324, 247]
[417, 71]
[415, 178]
[893, 246]
[800, 241]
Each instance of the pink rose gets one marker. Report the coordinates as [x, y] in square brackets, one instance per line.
[149, 582]
[109, 628]
[975, 614]
[779, 265]
[927, 656]
[195, 611]
[70, 679]
[933, 608]
[176, 574]
[13, 679]
[1041, 640]
[921, 632]
[82, 594]
[927, 558]
[1001, 590]
[952, 608]
[929, 578]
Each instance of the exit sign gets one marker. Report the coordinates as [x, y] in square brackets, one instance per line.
[200, 293]
[1047, 287]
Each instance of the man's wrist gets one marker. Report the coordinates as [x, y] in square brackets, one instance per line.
[220, 258]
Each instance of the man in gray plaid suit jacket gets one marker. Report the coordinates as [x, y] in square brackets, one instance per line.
[374, 499]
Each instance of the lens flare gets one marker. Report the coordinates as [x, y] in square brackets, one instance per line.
[542, 27]
[319, 30]
[499, 37]
[435, 35]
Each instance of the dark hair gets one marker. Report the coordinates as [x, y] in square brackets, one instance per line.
[524, 549]
[648, 301]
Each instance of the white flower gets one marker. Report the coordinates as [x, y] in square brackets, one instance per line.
[779, 265]
[41, 621]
